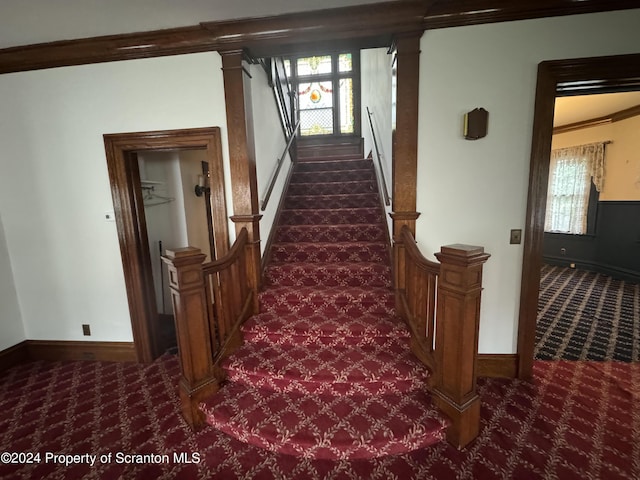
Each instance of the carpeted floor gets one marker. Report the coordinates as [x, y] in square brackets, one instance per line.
[587, 316]
[575, 420]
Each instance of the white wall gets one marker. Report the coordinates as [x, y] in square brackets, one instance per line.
[269, 142]
[54, 187]
[375, 67]
[476, 191]
[11, 329]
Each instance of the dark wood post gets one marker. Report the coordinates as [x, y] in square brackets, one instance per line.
[242, 164]
[457, 325]
[405, 146]
[199, 379]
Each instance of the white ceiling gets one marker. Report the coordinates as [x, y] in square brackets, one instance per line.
[24, 22]
[586, 107]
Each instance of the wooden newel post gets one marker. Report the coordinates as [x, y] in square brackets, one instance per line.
[199, 378]
[457, 325]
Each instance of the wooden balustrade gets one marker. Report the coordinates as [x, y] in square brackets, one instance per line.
[210, 303]
[416, 298]
[440, 302]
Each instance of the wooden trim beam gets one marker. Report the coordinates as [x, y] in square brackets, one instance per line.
[456, 13]
[372, 24]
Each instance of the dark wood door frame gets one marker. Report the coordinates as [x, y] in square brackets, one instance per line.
[125, 187]
[557, 78]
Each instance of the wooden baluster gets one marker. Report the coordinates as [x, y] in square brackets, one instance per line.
[199, 379]
[458, 318]
[430, 279]
[400, 273]
[219, 303]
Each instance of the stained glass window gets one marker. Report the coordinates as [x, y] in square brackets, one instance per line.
[345, 63]
[346, 105]
[314, 65]
[315, 102]
[326, 99]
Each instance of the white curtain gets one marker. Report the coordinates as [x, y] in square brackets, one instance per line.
[570, 173]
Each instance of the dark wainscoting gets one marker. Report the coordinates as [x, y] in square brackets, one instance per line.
[613, 250]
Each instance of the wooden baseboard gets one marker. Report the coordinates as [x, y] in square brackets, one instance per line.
[53, 350]
[498, 365]
[13, 356]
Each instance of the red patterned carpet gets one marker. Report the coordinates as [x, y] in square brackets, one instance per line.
[575, 420]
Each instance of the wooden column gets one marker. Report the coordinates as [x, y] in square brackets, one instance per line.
[199, 379]
[405, 147]
[457, 325]
[242, 165]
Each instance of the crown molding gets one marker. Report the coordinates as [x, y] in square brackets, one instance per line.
[596, 122]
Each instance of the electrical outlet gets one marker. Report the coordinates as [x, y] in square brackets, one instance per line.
[86, 330]
[516, 237]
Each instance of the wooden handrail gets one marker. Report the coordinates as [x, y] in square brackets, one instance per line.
[274, 176]
[385, 190]
[440, 302]
[210, 303]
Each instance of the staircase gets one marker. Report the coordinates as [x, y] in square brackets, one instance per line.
[325, 370]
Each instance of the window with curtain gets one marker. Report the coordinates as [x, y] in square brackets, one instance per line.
[571, 172]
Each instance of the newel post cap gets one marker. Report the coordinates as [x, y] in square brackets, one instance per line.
[183, 256]
[462, 254]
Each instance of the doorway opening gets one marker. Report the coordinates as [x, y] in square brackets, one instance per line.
[557, 78]
[153, 179]
[591, 271]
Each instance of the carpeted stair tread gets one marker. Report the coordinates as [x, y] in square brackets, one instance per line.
[355, 200]
[324, 165]
[354, 274]
[339, 329]
[350, 301]
[385, 365]
[326, 426]
[330, 252]
[365, 232]
[329, 176]
[331, 216]
[332, 188]
[328, 158]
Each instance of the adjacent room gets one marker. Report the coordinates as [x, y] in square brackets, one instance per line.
[589, 305]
